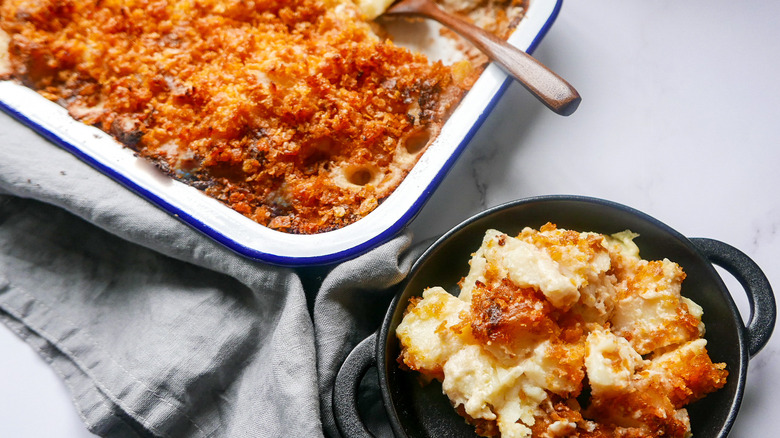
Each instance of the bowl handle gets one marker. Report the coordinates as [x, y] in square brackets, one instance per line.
[345, 389]
[763, 311]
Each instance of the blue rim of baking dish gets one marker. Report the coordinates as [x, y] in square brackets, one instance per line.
[387, 232]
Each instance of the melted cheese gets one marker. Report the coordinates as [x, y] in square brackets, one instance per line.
[525, 265]
[373, 8]
[611, 362]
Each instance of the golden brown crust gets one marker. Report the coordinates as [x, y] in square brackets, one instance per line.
[291, 112]
[508, 312]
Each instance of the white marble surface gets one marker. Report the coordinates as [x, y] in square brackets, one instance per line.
[680, 101]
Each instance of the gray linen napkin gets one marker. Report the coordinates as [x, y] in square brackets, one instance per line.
[156, 329]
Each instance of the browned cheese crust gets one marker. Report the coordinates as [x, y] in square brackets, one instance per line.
[291, 112]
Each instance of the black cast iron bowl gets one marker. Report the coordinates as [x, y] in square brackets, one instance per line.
[414, 410]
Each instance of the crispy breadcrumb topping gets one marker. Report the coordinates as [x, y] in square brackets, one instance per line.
[557, 333]
[294, 113]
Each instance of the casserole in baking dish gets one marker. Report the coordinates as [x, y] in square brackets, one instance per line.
[245, 235]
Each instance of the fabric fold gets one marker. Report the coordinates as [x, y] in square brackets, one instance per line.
[179, 349]
[350, 306]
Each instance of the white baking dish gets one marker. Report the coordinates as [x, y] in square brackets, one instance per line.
[245, 236]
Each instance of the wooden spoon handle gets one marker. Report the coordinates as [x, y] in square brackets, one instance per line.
[548, 87]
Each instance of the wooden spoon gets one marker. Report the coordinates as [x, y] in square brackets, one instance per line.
[547, 86]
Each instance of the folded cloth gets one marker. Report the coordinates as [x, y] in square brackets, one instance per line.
[159, 331]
